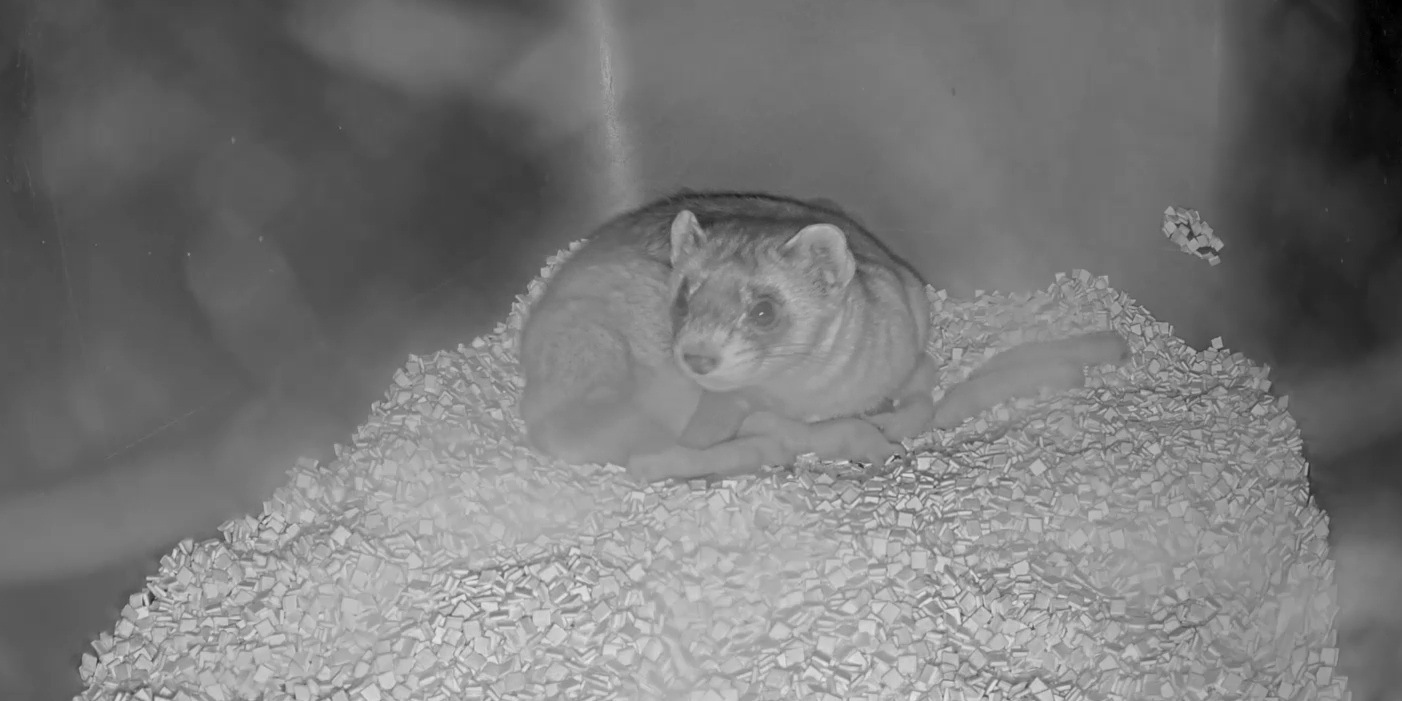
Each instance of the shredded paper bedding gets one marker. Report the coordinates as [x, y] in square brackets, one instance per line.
[1146, 537]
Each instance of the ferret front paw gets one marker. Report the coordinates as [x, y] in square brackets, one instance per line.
[911, 418]
[853, 439]
[672, 463]
[729, 459]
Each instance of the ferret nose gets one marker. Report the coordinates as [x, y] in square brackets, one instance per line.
[699, 363]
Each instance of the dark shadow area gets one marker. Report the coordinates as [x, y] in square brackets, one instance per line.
[358, 244]
[1317, 179]
[1296, 206]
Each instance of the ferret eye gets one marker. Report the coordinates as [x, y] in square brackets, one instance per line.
[763, 314]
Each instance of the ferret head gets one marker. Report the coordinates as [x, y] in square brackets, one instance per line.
[748, 307]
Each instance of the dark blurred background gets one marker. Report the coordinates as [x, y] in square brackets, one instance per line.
[206, 202]
[153, 151]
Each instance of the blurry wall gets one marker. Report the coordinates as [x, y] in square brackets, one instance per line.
[994, 142]
[208, 148]
[1308, 177]
[366, 166]
[357, 161]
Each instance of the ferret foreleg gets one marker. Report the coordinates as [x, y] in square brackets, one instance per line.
[718, 418]
[834, 439]
[914, 408]
[768, 439]
[742, 455]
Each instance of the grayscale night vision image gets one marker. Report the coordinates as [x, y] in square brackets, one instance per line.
[416, 350]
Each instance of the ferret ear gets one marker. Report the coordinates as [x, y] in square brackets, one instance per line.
[823, 247]
[687, 236]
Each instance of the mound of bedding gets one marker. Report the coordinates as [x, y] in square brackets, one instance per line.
[1146, 537]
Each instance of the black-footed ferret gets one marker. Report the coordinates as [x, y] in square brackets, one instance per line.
[677, 322]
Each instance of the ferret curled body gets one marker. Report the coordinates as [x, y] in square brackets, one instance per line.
[681, 320]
